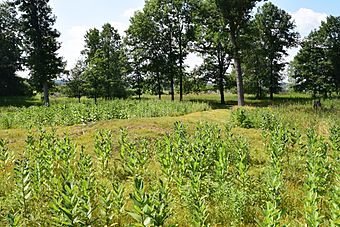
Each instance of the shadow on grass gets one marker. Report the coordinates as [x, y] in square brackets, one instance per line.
[212, 100]
[19, 101]
[279, 100]
[252, 101]
[231, 100]
[215, 105]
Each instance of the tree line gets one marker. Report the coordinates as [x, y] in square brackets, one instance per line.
[242, 47]
[223, 33]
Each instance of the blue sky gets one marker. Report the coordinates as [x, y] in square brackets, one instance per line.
[324, 6]
[75, 17]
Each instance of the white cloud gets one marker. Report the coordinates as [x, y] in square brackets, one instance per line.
[193, 60]
[120, 26]
[72, 44]
[23, 74]
[291, 54]
[130, 12]
[307, 20]
[53, 4]
[73, 40]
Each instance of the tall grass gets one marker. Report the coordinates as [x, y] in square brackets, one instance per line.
[194, 175]
[202, 178]
[72, 113]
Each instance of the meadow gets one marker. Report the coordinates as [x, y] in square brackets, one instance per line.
[172, 164]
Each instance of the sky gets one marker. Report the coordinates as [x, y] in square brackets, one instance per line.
[75, 17]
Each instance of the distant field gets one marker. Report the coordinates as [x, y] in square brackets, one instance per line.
[270, 162]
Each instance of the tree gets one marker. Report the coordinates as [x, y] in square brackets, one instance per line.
[156, 75]
[134, 70]
[275, 34]
[212, 43]
[113, 60]
[10, 50]
[92, 76]
[104, 57]
[330, 35]
[41, 43]
[311, 69]
[92, 44]
[137, 42]
[316, 67]
[255, 64]
[136, 82]
[148, 48]
[75, 84]
[171, 31]
[236, 14]
[197, 80]
[180, 19]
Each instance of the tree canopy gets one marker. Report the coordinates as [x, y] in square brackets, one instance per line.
[104, 58]
[272, 34]
[10, 51]
[40, 42]
[236, 14]
[316, 66]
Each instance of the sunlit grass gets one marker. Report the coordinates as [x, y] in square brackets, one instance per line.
[296, 114]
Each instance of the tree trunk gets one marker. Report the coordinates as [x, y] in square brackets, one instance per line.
[139, 86]
[240, 90]
[258, 81]
[79, 96]
[46, 95]
[271, 87]
[237, 63]
[221, 79]
[180, 68]
[257, 89]
[108, 95]
[337, 89]
[271, 94]
[108, 91]
[222, 89]
[181, 83]
[172, 89]
[172, 82]
[159, 86]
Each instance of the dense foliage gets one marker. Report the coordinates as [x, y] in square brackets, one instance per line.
[272, 34]
[316, 66]
[104, 58]
[40, 42]
[163, 33]
[150, 57]
[236, 14]
[10, 53]
[212, 42]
